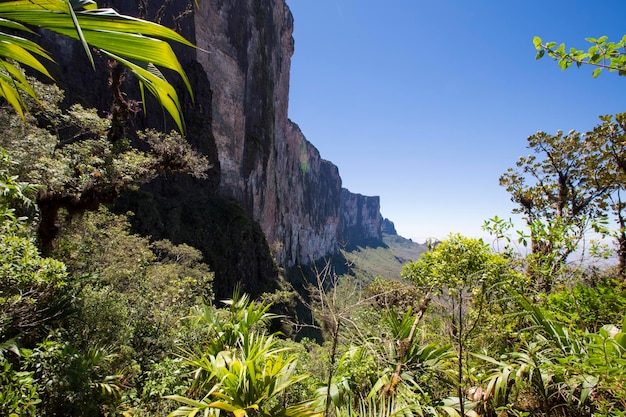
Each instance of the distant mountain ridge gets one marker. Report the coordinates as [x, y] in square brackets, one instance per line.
[386, 259]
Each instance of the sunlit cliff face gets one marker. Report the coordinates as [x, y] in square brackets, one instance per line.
[261, 161]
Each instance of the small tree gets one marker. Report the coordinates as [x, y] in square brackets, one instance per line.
[466, 275]
[609, 138]
[561, 190]
[334, 304]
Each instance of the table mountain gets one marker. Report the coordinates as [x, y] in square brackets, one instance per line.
[270, 200]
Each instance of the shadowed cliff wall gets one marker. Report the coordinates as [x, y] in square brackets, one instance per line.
[268, 186]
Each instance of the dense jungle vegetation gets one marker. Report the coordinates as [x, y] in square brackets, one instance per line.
[98, 321]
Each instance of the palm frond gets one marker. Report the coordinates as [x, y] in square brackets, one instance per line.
[137, 44]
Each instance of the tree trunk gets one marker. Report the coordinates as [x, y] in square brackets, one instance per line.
[460, 339]
[331, 368]
[621, 239]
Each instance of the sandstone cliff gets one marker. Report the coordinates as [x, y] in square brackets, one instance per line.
[268, 187]
[266, 162]
[361, 222]
[388, 227]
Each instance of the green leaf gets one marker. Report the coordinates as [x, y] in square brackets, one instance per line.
[84, 4]
[25, 44]
[620, 338]
[138, 44]
[163, 91]
[19, 79]
[14, 25]
[80, 35]
[23, 56]
[596, 72]
[10, 94]
[564, 63]
[187, 401]
[130, 38]
[537, 42]
[224, 406]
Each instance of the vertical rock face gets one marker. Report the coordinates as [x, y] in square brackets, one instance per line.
[308, 206]
[268, 187]
[388, 227]
[249, 48]
[361, 222]
[266, 162]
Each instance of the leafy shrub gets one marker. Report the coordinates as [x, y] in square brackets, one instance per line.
[32, 289]
[589, 307]
[74, 383]
[18, 396]
[239, 369]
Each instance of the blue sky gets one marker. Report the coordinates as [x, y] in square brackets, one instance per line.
[426, 104]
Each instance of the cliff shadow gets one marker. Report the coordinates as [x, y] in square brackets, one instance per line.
[232, 243]
[306, 280]
[355, 244]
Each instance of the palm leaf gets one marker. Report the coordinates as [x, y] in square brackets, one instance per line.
[137, 44]
[553, 330]
[30, 5]
[14, 25]
[26, 44]
[10, 94]
[185, 411]
[18, 78]
[79, 33]
[122, 23]
[84, 4]
[190, 410]
[383, 406]
[162, 90]
[451, 407]
[131, 38]
[21, 55]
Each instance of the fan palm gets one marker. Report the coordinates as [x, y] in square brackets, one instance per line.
[140, 46]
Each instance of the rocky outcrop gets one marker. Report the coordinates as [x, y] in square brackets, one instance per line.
[360, 220]
[388, 227]
[268, 186]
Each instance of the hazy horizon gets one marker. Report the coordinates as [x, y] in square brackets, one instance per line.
[426, 104]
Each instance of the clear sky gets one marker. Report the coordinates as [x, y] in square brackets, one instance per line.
[427, 103]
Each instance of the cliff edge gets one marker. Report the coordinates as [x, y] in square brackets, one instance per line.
[269, 195]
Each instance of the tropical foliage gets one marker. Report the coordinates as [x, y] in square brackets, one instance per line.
[140, 46]
[241, 369]
[71, 155]
[567, 370]
[96, 320]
